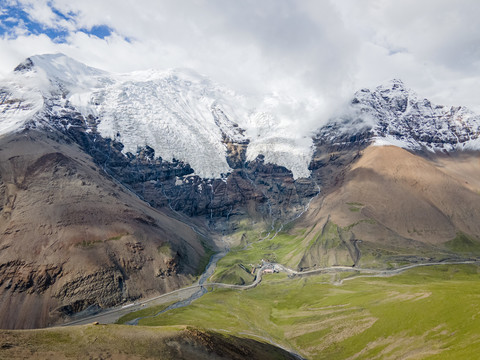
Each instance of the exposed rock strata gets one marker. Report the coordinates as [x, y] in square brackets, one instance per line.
[161, 183]
[73, 239]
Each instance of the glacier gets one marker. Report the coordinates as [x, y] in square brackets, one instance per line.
[175, 112]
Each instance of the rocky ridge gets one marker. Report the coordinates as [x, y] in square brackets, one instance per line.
[394, 115]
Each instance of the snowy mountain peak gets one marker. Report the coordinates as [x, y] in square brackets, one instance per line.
[396, 116]
[392, 88]
[61, 72]
[395, 85]
[60, 66]
[393, 95]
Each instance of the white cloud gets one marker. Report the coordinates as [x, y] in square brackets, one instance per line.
[41, 12]
[433, 45]
[307, 56]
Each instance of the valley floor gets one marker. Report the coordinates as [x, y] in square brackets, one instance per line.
[427, 312]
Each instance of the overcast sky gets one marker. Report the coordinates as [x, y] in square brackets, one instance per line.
[310, 55]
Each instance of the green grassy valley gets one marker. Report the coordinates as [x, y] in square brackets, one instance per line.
[328, 245]
[429, 312]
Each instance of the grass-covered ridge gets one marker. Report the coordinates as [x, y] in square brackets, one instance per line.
[128, 342]
[237, 274]
[464, 244]
[429, 312]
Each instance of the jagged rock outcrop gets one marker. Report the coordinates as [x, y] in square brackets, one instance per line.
[392, 114]
[172, 184]
[17, 276]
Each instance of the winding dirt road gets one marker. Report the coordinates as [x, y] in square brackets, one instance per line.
[112, 315]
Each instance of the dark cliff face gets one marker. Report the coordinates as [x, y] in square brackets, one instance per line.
[270, 188]
[334, 152]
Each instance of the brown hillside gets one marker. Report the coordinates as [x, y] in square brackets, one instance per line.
[394, 198]
[72, 238]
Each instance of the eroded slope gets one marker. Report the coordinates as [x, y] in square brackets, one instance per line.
[72, 238]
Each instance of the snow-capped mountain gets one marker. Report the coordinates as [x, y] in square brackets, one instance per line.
[395, 115]
[184, 116]
[178, 113]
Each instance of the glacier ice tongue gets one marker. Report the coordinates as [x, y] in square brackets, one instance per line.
[167, 111]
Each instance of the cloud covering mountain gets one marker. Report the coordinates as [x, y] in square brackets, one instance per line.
[296, 59]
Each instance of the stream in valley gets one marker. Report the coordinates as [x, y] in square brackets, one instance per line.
[196, 295]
